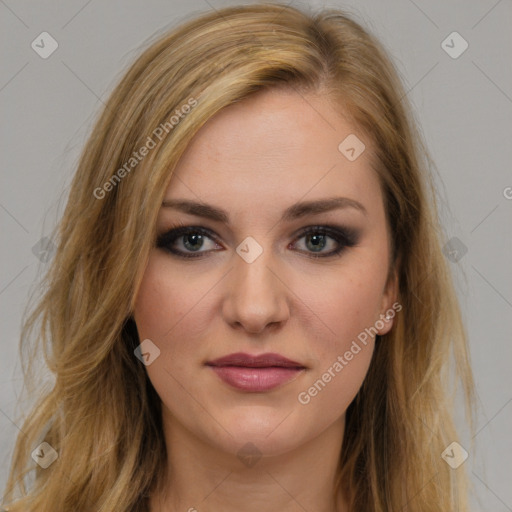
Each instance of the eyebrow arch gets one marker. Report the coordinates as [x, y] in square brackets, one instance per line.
[295, 211]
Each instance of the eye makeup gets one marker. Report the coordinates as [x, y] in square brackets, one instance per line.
[317, 237]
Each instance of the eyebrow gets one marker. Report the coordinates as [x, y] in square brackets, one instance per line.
[295, 211]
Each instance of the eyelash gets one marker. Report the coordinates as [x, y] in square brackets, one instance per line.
[345, 237]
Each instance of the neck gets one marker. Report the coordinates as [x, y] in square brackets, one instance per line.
[201, 477]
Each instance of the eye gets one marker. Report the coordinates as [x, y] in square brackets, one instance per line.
[317, 238]
[181, 240]
[193, 241]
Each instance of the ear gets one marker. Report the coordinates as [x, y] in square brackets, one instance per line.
[390, 305]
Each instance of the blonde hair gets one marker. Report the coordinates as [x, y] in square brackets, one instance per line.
[102, 415]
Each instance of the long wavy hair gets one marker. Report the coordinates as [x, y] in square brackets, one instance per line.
[101, 414]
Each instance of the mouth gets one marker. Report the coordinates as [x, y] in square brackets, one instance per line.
[255, 374]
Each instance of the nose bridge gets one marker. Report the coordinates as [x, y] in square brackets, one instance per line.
[256, 297]
[253, 273]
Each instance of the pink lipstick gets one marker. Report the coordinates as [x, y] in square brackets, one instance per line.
[255, 374]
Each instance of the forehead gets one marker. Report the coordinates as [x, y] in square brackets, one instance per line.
[274, 148]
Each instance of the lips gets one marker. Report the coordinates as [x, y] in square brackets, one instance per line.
[260, 361]
[255, 373]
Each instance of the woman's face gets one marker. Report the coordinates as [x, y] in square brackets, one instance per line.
[257, 275]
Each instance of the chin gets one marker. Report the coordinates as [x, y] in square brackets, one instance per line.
[271, 434]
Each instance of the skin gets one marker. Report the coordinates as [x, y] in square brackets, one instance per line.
[254, 159]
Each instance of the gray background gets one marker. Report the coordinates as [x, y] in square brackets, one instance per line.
[464, 106]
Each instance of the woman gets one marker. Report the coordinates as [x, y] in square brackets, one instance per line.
[249, 308]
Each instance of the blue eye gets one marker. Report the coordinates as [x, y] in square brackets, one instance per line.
[192, 238]
[318, 237]
[190, 241]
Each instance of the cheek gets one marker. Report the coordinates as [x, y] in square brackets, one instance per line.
[347, 307]
[356, 308]
[167, 311]
[167, 303]
[342, 364]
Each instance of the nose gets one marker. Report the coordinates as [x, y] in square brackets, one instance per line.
[256, 295]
